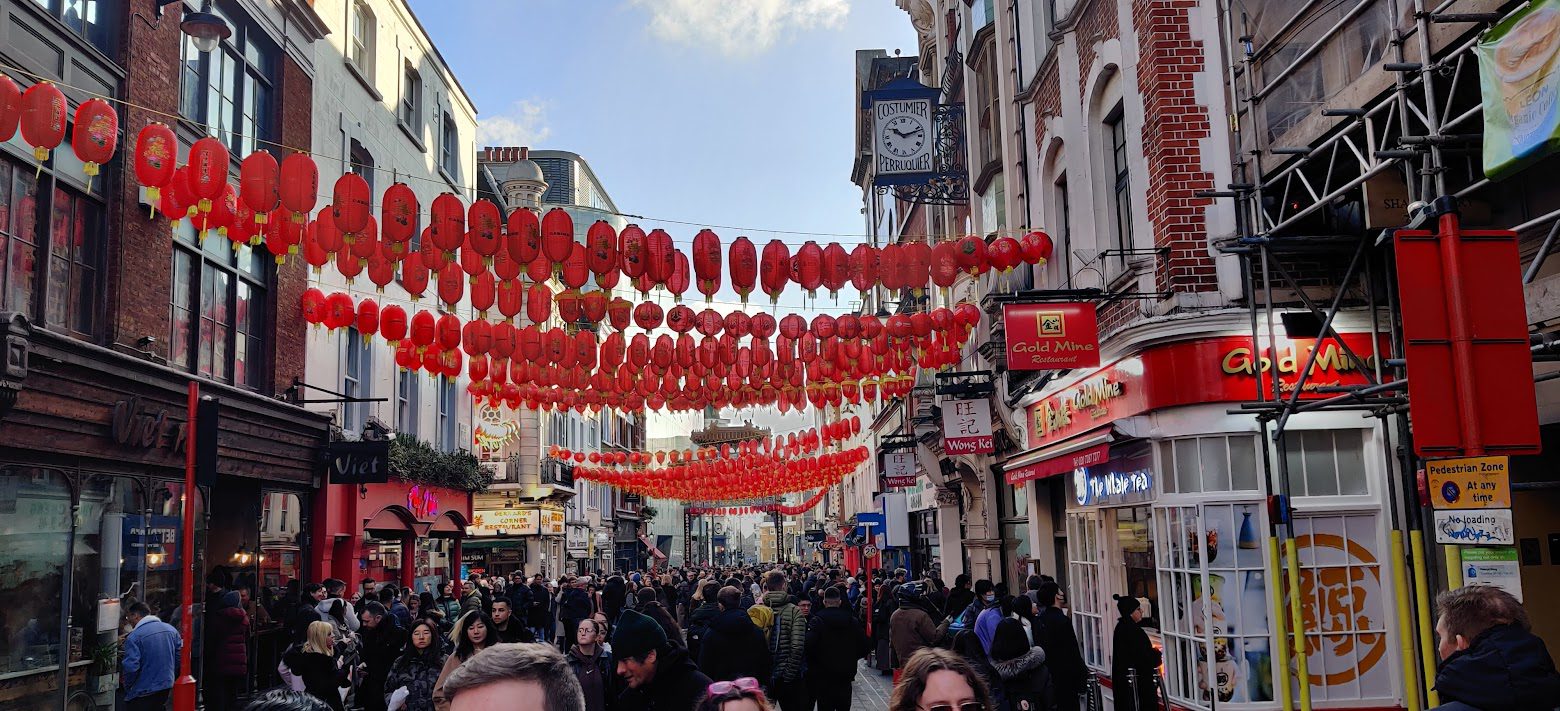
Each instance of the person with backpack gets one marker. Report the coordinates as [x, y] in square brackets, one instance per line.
[910, 628]
[1019, 669]
[787, 644]
[734, 647]
[699, 620]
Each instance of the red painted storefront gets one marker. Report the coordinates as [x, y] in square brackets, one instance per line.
[398, 531]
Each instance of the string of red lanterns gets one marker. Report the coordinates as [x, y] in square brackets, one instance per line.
[790, 444]
[782, 509]
[743, 476]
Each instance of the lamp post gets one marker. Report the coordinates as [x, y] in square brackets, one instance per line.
[184, 688]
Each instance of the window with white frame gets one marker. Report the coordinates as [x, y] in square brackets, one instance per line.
[1209, 464]
[449, 148]
[411, 99]
[447, 415]
[1343, 606]
[360, 47]
[406, 410]
[357, 359]
[1084, 539]
[1121, 183]
[1326, 462]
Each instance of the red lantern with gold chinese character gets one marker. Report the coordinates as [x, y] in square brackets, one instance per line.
[660, 261]
[448, 223]
[485, 223]
[398, 216]
[601, 250]
[208, 170]
[43, 119]
[155, 156]
[538, 305]
[706, 262]
[10, 108]
[774, 270]
[631, 251]
[557, 236]
[350, 205]
[525, 236]
[1036, 247]
[95, 135]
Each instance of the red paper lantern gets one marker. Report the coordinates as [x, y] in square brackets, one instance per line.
[945, 264]
[762, 325]
[680, 318]
[836, 268]
[1036, 247]
[744, 267]
[484, 290]
[300, 186]
[966, 314]
[574, 272]
[448, 224]
[891, 267]
[155, 153]
[557, 235]
[511, 298]
[476, 337]
[706, 262]
[10, 108]
[972, 254]
[660, 259]
[349, 205]
[918, 261]
[631, 251]
[452, 285]
[504, 340]
[398, 216]
[424, 329]
[392, 323]
[340, 312]
[257, 182]
[647, 315]
[414, 277]
[864, 267]
[208, 170]
[95, 135]
[313, 306]
[368, 317]
[1005, 254]
[567, 303]
[807, 267]
[525, 236]
[448, 332]
[485, 223]
[775, 269]
[538, 306]
[737, 324]
[43, 119]
[678, 282]
[620, 313]
[594, 306]
[601, 249]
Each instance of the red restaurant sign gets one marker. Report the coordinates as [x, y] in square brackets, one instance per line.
[1064, 463]
[1190, 373]
[1051, 336]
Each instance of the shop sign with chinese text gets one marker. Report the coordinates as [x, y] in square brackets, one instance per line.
[898, 470]
[1469, 483]
[967, 426]
[1051, 336]
[505, 522]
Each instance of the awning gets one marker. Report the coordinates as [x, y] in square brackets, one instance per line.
[1085, 450]
[654, 552]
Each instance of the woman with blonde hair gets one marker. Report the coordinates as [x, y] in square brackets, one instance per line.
[316, 663]
[940, 679]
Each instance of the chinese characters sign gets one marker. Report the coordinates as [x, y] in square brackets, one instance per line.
[1051, 336]
[898, 470]
[967, 427]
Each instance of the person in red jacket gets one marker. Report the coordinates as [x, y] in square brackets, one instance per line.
[227, 651]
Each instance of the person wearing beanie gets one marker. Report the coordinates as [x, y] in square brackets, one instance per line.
[1135, 661]
[658, 675]
[1020, 668]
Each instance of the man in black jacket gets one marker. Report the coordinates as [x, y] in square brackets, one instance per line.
[1490, 658]
[658, 676]
[382, 643]
[835, 641]
[699, 620]
[734, 647]
[1054, 633]
[505, 626]
[960, 596]
[539, 616]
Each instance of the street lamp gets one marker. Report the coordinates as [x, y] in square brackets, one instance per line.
[205, 28]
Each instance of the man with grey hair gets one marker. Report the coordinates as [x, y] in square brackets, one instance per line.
[514, 676]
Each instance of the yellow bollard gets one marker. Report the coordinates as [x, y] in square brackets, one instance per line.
[1405, 623]
[1276, 592]
[1416, 539]
[1297, 624]
[1454, 576]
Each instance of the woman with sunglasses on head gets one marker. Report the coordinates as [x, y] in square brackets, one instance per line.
[742, 694]
[940, 680]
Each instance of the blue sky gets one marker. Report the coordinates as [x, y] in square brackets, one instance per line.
[719, 112]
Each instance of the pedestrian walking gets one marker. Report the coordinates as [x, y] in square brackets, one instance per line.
[334, 590]
[227, 651]
[593, 667]
[651, 607]
[539, 616]
[960, 596]
[699, 620]
[1490, 658]
[734, 647]
[1134, 661]
[939, 679]
[573, 606]
[382, 641]
[150, 661]
[449, 604]
[1020, 669]
[835, 642]
[323, 673]
[1054, 633]
[409, 686]
[505, 628]
[473, 633]
[658, 675]
[787, 645]
[910, 628]
[471, 598]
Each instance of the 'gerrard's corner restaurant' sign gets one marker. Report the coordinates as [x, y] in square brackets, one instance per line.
[1190, 373]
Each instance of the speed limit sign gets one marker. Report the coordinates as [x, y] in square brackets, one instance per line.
[870, 551]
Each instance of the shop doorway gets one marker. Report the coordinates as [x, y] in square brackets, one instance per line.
[1535, 507]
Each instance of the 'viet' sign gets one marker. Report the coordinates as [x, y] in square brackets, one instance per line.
[898, 470]
[1051, 336]
[967, 427]
[1469, 483]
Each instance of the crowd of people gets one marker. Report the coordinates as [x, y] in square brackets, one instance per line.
[735, 639]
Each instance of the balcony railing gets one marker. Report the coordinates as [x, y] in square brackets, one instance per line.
[557, 473]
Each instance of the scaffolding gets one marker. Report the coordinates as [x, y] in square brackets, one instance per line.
[1303, 204]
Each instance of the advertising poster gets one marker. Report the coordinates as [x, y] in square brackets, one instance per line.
[1493, 565]
[1518, 86]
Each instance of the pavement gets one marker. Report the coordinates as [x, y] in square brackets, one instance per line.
[871, 690]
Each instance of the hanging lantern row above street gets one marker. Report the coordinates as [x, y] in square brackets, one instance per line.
[554, 369]
[477, 242]
[790, 444]
[782, 509]
[742, 477]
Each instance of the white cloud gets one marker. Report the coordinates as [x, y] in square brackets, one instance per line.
[524, 124]
[739, 28]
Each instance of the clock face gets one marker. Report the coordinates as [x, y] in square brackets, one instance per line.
[903, 136]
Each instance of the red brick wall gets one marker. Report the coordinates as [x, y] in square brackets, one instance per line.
[297, 107]
[140, 250]
[1174, 126]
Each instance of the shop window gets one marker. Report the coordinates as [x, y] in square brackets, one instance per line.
[217, 308]
[34, 526]
[1207, 464]
[1343, 606]
[92, 20]
[282, 521]
[231, 91]
[1084, 541]
[449, 148]
[163, 571]
[1326, 462]
[50, 269]
[1213, 604]
[115, 544]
